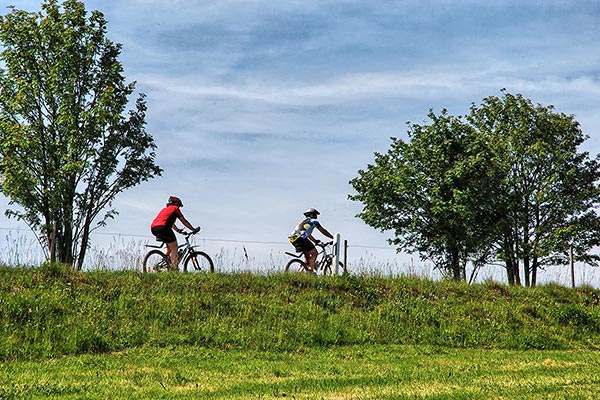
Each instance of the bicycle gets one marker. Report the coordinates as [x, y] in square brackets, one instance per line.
[192, 260]
[325, 259]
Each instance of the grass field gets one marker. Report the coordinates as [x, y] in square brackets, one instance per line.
[108, 335]
[346, 372]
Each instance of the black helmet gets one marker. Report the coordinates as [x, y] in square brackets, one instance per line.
[311, 211]
[175, 201]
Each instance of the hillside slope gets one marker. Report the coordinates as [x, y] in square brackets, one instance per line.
[48, 311]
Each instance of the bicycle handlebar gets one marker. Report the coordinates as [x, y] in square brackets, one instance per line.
[324, 244]
[188, 234]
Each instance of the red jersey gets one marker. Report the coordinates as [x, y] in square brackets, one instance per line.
[167, 216]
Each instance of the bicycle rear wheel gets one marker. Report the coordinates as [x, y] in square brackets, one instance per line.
[296, 265]
[198, 261]
[155, 261]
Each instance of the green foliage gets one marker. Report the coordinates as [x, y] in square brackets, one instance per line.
[508, 182]
[53, 311]
[550, 188]
[66, 147]
[434, 192]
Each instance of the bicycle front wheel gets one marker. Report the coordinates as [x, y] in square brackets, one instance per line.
[198, 261]
[296, 265]
[155, 261]
[328, 270]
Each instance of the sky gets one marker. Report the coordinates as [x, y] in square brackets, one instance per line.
[262, 109]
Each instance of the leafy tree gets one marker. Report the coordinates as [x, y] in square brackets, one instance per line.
[508, 183]
[66, 146]
[436, 193]
[550, 188]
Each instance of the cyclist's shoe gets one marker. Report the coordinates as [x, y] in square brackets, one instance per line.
[196, 230]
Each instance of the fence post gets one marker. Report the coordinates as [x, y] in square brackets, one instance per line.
[345, 257]
[336, 259]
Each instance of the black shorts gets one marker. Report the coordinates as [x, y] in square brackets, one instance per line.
[303, 245]
[164, 234]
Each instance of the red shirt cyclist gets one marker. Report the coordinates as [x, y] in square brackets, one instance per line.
[164, 224]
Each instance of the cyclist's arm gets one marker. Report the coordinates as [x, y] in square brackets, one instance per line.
[184, 221]
[324, 231]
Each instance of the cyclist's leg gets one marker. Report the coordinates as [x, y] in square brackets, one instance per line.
[307, 248]
[172, 249]
[165, 234]
[311, 257]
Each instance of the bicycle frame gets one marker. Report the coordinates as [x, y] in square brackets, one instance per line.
[187, 252]
[324, 257]
[188, 246]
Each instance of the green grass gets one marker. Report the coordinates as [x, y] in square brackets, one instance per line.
[347, 372]
[48, 313]
[170, 335]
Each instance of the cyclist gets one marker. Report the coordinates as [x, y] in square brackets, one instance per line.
[303, 240]
[164, 224]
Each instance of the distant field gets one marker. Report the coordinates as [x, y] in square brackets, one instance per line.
[346, 372]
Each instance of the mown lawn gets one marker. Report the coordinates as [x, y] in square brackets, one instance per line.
[345, 372]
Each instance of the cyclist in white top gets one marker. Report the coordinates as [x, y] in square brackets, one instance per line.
[302, 239]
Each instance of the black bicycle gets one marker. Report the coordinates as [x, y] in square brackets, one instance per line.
[323, 264]
[191, 259]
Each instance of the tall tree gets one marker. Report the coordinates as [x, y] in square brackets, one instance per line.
[551, 188]
[436, 193]
[507, 182]
[67, 144]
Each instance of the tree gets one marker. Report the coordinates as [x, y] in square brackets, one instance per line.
[68, 147]
[550, 188]
[508, 182]
[436, 193]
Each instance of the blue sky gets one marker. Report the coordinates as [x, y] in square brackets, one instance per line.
[262, 109]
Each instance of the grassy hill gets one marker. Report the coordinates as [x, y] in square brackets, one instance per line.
[50, 311]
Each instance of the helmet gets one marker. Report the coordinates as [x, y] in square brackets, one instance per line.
[175, 201]
[311, 211]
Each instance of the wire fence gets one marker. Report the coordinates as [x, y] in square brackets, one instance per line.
[122, 251]
[125, 251]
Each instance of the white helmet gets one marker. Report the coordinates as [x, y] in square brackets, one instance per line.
[311, 211]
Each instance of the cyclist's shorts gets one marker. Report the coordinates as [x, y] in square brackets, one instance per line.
[164, 234]
[302, 245]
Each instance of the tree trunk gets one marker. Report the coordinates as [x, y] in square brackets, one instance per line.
[52, 243]
[527, 270]
[85, 237]
[510, 274]
[455, 265]
[534, 270]
[512, 263]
